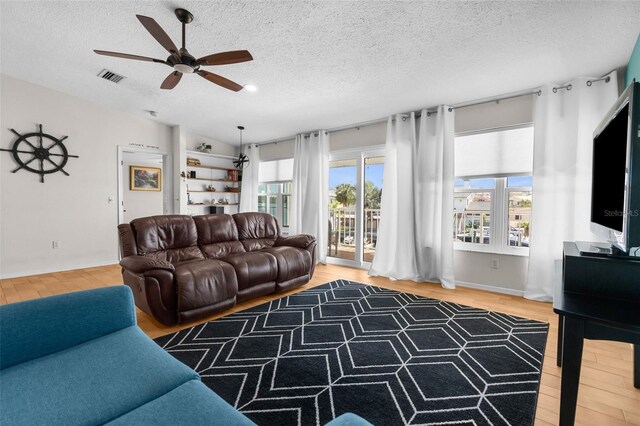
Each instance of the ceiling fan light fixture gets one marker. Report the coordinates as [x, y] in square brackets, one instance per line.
[250, 88]
[183, 68]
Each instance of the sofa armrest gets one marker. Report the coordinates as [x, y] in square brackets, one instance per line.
[302, 241]
[142, 264]
[40, 327]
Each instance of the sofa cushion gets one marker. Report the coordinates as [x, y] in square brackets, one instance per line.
[40, 327]
[189, 404]
[256, 230]
[204, 282]
[218, 235]
[293, 262]
[253, 268]
[173, 238]
[91, 383]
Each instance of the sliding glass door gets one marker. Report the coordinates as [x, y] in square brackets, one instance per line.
[373, 170]
[343, 182]
[355, 190]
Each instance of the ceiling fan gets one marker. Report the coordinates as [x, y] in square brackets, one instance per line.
[181, 60]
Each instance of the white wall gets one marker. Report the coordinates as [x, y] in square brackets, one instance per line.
[141, 203]
[473, 269]
[74, 210]
[192, 141]
[179, 140]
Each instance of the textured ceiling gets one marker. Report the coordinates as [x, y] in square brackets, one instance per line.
[318, 64]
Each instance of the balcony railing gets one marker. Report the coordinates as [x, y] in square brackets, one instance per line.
[342, 232]
[475, 227]
[471, 227]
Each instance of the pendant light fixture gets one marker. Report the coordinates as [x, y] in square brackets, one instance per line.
[242, 157]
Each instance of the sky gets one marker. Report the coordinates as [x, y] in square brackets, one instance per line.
[373, 173]
[338, 175]
[513, 181]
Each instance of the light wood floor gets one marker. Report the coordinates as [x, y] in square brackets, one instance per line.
[606, 396]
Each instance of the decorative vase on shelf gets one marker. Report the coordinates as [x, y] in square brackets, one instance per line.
[204, 147]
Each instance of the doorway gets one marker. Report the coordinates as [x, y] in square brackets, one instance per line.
[144, 183]
[355, 190]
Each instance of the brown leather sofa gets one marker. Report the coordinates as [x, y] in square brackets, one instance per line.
[182, 268]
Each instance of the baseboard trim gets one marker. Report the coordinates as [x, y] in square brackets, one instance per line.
[494, 289]
[53, 270]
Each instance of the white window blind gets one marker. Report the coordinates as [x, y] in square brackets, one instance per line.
[276, 171]
[497, 153]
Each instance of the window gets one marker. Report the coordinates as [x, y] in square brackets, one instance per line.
[275, 198]
[472, 208]
[492, 190]
[274, 189]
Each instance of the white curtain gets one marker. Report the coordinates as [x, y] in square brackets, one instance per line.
[415, 237]
[249, 190]
[310, 186]
[563, 135]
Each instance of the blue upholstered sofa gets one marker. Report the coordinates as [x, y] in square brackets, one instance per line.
[79, 358]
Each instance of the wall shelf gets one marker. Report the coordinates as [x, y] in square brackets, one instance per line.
[217, 192]
[212, 168]
[206, 154]
[214, 172]
[214, 180]
[217, 205]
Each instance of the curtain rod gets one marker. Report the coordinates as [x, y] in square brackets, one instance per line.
[334, 129]
[496, 99]
[433, 110]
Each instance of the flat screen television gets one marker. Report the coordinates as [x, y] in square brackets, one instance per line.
[615, 183]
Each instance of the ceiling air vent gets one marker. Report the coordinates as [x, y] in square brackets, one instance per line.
[111, 76]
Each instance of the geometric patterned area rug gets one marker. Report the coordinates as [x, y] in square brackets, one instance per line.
[390, 357]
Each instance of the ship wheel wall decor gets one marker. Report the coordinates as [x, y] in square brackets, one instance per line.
[39, 153]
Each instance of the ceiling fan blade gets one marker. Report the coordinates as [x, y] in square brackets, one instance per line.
[220, 81]
[172, 80]
[158, 33]
[128, 56]
[224, 58]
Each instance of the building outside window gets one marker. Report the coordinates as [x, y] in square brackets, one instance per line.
[274, 190]
[492, 190]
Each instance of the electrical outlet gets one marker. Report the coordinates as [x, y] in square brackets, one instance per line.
[55, 244]
[495, 263]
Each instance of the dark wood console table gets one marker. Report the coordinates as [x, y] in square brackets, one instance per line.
[599, 299]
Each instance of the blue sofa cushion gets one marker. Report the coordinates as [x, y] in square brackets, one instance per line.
[348, 419]
[91, 383]
[36, 328]
[192, 403]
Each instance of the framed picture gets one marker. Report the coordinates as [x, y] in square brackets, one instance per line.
[145, 178]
